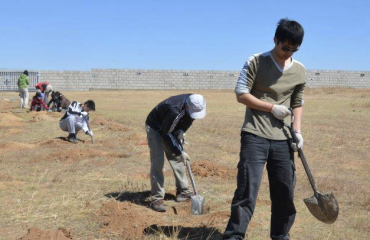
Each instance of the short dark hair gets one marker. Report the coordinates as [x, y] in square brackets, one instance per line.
[289, 30]
[90, 104]
[25, 72]
[55, 95]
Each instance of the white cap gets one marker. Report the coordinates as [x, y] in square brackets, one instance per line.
[196, 106]
[48, 88]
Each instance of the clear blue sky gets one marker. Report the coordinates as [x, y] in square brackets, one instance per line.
[183, 35]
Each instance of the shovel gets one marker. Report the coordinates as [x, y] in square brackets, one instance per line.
[322, 206]
[197, 201]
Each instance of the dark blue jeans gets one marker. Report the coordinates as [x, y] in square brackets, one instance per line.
[254, 153]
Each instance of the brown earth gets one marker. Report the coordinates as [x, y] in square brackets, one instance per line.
[39, 234]
[204, 168]
[111, 125]
[4, 105]
[112, 217]
[15, 146]
[8, 119]
[128, 220]
[128, 216]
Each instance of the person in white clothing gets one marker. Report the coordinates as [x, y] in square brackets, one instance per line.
[76, 119]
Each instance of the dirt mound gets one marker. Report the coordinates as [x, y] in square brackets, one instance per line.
[63, 155]
[39, 234]
[209, 169]
[131, 221]
[5, 105]
[9, 120]
[126, 219]
[15, 146]
[113, 126]
[40, 116]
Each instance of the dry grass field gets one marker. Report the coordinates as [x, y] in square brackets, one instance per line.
[52, 189]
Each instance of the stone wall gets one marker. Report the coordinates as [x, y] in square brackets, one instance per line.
[107, 79]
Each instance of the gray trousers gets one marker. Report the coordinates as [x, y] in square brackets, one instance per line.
[157, 150]
[23, 96]
[70, 125]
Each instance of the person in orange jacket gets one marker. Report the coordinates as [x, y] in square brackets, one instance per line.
[45, 88]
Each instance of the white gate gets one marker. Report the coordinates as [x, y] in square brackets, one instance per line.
[9, 80]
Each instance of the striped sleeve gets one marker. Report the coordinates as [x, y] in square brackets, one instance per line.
[167, 129]
[297, 99]
[246, 76]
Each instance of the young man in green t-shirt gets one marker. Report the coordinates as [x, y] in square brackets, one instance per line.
[269, 84]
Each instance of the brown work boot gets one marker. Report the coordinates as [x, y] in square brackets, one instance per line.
[182, 197]
[158, 206]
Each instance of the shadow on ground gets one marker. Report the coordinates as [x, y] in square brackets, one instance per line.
[189, 233]
[139, 198]
[66, 139]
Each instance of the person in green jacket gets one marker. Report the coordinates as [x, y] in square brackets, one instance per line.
[23, 82]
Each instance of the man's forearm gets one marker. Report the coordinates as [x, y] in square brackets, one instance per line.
[253, 102]
[298, 113]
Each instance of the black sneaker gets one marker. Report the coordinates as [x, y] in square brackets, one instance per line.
[183, 197]
[72, 138]
[158, 206]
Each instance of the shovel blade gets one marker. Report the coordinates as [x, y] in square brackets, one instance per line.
[324, 207]
[197, 205]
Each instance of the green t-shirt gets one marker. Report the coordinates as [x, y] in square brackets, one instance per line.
[262, 77]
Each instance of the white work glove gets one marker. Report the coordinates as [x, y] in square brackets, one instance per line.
[184, 157]
[90, 133]
[280, 111]
[180, 136]
[298, 145]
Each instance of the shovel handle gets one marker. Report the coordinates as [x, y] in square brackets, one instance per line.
[191, 176]
[301, 154]
[304, 162]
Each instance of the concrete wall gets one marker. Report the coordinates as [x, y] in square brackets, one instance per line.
[180, 79]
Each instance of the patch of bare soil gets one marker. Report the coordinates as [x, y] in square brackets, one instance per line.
[113, 126]
[5, 105]
[139, 139]
[41, 116]
[39, 234]
[13, 131]
[63, 155]
[9, 120]
[15, 146]
[128, 220]
[210, 169]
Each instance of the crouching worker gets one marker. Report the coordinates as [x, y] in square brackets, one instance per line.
[76, 119]
[45, 89]
[38, 102]
[59, 101]
[173, 115]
